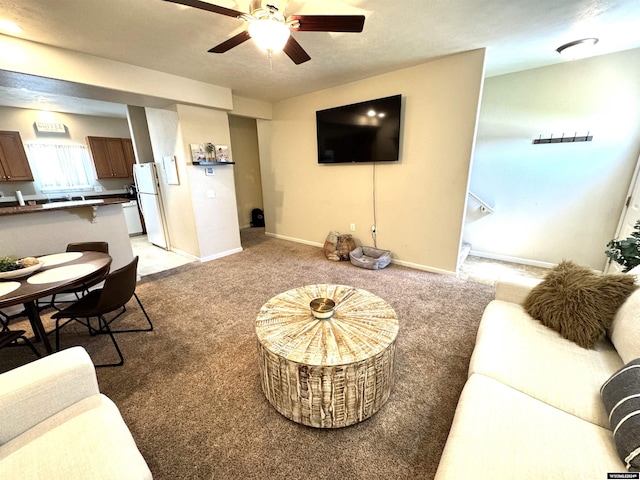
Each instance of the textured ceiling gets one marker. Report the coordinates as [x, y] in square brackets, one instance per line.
[155, 34]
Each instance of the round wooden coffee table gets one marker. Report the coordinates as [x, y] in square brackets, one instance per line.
[327, 373]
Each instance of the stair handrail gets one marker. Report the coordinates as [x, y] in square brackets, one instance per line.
[484, 206]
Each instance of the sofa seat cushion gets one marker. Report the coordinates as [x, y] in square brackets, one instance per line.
[499, 432]
[520, 352]
[88, 440]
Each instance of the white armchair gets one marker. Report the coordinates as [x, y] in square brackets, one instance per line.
[55, 424]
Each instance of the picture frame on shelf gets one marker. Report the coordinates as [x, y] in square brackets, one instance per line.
[198, 153]
[222, 154]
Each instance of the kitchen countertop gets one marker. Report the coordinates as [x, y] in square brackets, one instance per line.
[16, 210]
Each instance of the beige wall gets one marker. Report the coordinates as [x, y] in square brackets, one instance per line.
[78, 128]
[113, 81]
[201, 212]
[247, 107]
[31, 234]
[556, 201]
[213, 196]
[244, 140]
[137, 120]
[166, 139]
[420, 200]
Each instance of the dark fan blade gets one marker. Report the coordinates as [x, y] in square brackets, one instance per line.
[329, 23]
[232, 42]
[295, 52]
[207, 6]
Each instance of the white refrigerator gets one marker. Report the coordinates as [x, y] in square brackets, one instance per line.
[145, 176]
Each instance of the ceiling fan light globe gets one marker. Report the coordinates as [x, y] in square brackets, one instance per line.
[269, 35]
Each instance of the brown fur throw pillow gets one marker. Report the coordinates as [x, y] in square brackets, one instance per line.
[578, 303]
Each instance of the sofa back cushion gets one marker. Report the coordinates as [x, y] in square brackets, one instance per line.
[625, 329]
[34, 392]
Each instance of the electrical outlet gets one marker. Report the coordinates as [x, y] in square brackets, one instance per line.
[352, 227]
[97, 188]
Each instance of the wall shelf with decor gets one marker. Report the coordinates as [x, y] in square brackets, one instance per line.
[213, 163]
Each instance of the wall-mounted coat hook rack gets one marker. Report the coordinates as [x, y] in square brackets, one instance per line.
[563, 139]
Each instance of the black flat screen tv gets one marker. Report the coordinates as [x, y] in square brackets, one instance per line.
[360, 132]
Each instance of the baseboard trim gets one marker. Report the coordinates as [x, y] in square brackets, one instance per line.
[424, 268]
[184, 254]
[206, 259]
[220, 255]
[293, 239]
[506, 258]
[402, 263]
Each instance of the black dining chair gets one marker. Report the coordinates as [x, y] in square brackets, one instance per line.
[119, 287]
[11, 337]
[4, 321]
[102, 247]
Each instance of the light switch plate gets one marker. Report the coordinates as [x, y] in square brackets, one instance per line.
[208, 171]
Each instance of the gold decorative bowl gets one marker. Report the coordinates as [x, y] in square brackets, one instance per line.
[322, 308]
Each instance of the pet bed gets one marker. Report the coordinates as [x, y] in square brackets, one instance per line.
[369, 257]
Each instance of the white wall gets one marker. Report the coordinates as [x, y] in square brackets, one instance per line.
[78, 128]
[555, 201]
[420, 200]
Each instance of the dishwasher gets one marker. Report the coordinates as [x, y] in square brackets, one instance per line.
[132, 217]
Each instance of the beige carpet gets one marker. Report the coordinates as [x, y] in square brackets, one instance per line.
[190, 390]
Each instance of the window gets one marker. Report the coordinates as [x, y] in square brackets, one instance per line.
[62, 167]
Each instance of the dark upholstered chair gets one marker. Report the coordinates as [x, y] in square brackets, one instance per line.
[11, 337]
[119, 287]
[102, 247]
[4, 322]
[88, 247]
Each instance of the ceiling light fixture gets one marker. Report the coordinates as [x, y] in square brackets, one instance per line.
[270, 35]
[577, 49]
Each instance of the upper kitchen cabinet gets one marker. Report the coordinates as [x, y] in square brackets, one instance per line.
[14, 166]
[112, 156]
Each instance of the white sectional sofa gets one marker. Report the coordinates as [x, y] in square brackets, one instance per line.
[531, 407]
[55, 424]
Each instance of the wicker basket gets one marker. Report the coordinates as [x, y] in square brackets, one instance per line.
[337, 246]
